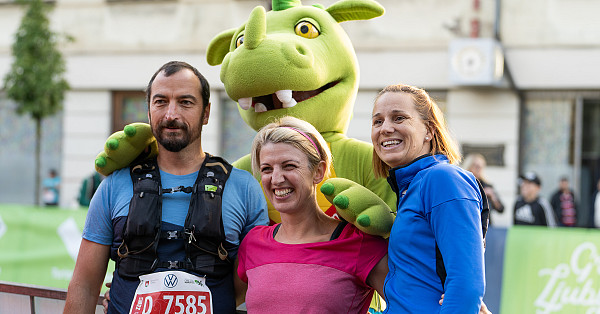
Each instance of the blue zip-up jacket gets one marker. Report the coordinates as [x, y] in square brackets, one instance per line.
[437, 202]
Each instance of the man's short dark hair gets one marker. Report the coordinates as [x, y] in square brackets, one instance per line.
[173, 67]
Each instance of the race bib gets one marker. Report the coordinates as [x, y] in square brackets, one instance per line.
[171, 292]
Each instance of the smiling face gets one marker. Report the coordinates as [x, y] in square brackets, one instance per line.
[295, 62]
[287, 180]
[398, 133]
[176, 112]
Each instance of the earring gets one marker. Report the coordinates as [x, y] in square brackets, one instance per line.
[427, 137]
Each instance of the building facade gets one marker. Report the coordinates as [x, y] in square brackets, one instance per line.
[518, 81]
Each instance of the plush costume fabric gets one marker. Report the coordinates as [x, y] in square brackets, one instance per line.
[439, 203]
[136, 140]
[243, 208]
[300, 51]
[303, 52]
[270, 54]
[323, 277]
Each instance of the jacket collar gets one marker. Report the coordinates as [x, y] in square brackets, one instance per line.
[401, 176]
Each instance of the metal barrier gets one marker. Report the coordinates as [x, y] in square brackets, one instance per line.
[17, 298]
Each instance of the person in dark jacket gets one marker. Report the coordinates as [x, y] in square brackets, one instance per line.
[530, 208]
[564, 205]
[476, 163]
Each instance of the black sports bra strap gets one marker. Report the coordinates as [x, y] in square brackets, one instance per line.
[338, 230]
[336, 233]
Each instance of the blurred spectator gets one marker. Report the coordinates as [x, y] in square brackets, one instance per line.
[51, 188]
[476, 164]
[597, 206]
[563, 202]
[530, 208]
[88, 188]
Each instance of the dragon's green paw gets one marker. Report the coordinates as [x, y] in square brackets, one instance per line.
[359, 206]
[123, 147]
[341, 201]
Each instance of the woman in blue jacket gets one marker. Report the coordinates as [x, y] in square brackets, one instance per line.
[439, 204]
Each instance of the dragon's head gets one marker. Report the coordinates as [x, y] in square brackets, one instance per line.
[294, 60]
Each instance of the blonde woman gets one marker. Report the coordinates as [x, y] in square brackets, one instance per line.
[310, 262]
[439, 207]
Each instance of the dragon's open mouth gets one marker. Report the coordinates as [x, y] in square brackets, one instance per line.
[280, 99]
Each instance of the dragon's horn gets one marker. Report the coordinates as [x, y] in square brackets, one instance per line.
[280, 5]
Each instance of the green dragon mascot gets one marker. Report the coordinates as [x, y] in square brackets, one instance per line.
[295, 60]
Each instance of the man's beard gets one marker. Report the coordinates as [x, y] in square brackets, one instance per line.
[175, 143]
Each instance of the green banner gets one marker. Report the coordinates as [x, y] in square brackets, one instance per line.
[551, 270]
[39, 245]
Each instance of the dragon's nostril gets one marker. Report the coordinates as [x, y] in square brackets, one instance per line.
[301, 50]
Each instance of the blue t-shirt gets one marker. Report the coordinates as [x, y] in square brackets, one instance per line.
[243, 207]
[50, 195]
[438, 203]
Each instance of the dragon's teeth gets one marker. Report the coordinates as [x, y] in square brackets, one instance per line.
[284, 95]
[245, 103]
[289, 104]
[260, 107]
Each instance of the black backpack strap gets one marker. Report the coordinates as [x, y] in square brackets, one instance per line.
[485, 218]
[204, 229]
[137, 250]
[485, 211]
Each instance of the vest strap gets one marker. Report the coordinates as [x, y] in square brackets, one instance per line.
[203, 231]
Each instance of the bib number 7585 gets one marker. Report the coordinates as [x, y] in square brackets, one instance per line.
[172, 302]
[172, 292]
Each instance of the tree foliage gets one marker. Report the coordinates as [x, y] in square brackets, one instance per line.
[35, 81]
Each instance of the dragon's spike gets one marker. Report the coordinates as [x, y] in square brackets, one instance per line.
[280, 5]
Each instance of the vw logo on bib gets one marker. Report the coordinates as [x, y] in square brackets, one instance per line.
[170, 281]
[172, 292]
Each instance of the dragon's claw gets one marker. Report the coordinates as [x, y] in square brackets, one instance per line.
[363, 220]
[359, 206]
[327, 188]
[341, 201]
[130, 130]
[123, 147]
[100, 162]
[112, 144]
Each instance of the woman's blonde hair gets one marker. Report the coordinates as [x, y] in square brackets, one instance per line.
[296, 132]
[442, 141]
[470, 160]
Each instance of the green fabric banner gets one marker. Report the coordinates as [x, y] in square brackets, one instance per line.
[39, 245]
[551, 270]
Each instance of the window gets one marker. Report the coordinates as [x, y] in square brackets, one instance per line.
[128, 107]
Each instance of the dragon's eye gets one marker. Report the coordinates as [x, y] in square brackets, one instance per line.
[239, 41]
[307, 30]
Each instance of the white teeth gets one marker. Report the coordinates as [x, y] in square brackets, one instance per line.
[283, 192]
[260, 107]
[284, 95]
[390, 142]
[289, 104]
[245, 103]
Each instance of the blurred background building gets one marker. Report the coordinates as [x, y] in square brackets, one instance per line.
[518, 81]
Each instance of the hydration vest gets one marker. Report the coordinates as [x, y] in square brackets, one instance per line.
[206, 249]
